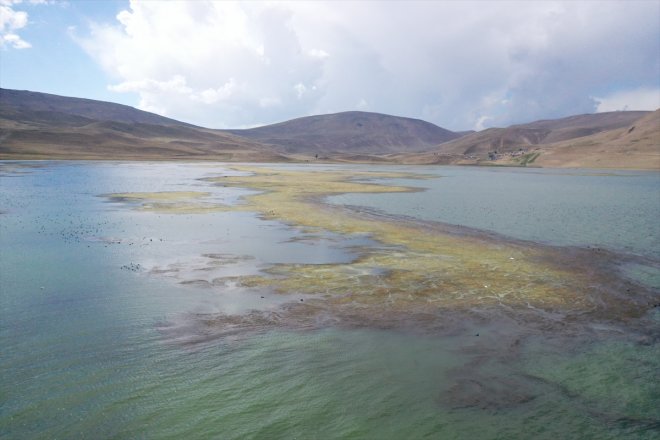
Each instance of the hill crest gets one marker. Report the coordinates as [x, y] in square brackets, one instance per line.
[354, 132]
[548, 131]
[33, 107]
[42, 126]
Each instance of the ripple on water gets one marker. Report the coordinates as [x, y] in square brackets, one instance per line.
[180, 348]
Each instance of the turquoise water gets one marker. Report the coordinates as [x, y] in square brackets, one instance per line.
[94, 349]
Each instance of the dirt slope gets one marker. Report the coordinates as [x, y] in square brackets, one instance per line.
[350, 132]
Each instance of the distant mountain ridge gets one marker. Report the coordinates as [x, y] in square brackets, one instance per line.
[43, 126]
[354, 131]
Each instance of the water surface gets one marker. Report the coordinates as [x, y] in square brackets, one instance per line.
[101, 339]
[612, 209]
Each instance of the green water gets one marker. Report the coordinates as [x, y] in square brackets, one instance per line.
[93, 350]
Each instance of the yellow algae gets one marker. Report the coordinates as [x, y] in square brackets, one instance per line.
[415, 269]
[170, 202]
[420, 267]
[183, 208]
[165, 196]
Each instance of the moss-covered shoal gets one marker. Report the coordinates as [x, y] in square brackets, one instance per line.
[419, 269]
[416, 269]
[169, 202]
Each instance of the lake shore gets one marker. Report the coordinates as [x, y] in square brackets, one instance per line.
[619, 161]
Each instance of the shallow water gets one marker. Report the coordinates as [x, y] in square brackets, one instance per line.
[102, 340]
[617, 210]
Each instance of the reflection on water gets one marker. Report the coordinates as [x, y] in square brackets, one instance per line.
[123, 323]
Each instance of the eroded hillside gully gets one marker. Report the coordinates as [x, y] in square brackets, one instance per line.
[500, 298]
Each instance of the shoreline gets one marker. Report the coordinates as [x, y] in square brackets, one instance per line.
[191, 160]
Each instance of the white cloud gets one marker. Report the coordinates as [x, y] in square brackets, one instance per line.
[270, 101]
[176, 84]
[14, 40]
[300, 89]
[211, 96]
[10, 22]
[319, 53]
[481, 123]
[213, 63]
[638, 99]
[450, 62]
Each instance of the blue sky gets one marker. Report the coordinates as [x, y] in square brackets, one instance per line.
[55, 62]
[461, 65]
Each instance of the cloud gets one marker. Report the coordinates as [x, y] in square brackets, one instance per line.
[175, 85]
[10, 22]
[458, 64]
[637, 99]
[217, 64]
[481, 123]
[211, 96]
[319, 53]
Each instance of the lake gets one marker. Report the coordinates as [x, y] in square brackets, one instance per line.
[153, 300]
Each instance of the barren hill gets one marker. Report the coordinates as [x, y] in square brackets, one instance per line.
[634, 146]
[42, 126]
[350, 132]
[26, 106]
[614, 140]
[523, 136]
[39, 125]
[36, 125]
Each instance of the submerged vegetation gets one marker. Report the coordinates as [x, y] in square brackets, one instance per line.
[248, 291]
[416, 268]
[169, 202]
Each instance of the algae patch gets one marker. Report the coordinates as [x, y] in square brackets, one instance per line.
[415, 268]
[410, 269]
[164, 196]
[169, 202]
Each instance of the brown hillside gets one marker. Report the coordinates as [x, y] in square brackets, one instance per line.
[26, 106]
[350, 132]
[524, 136]
[92, 142]
[634, 146]
[43, 126]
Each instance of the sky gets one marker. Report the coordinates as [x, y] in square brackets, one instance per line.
[460, 65]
